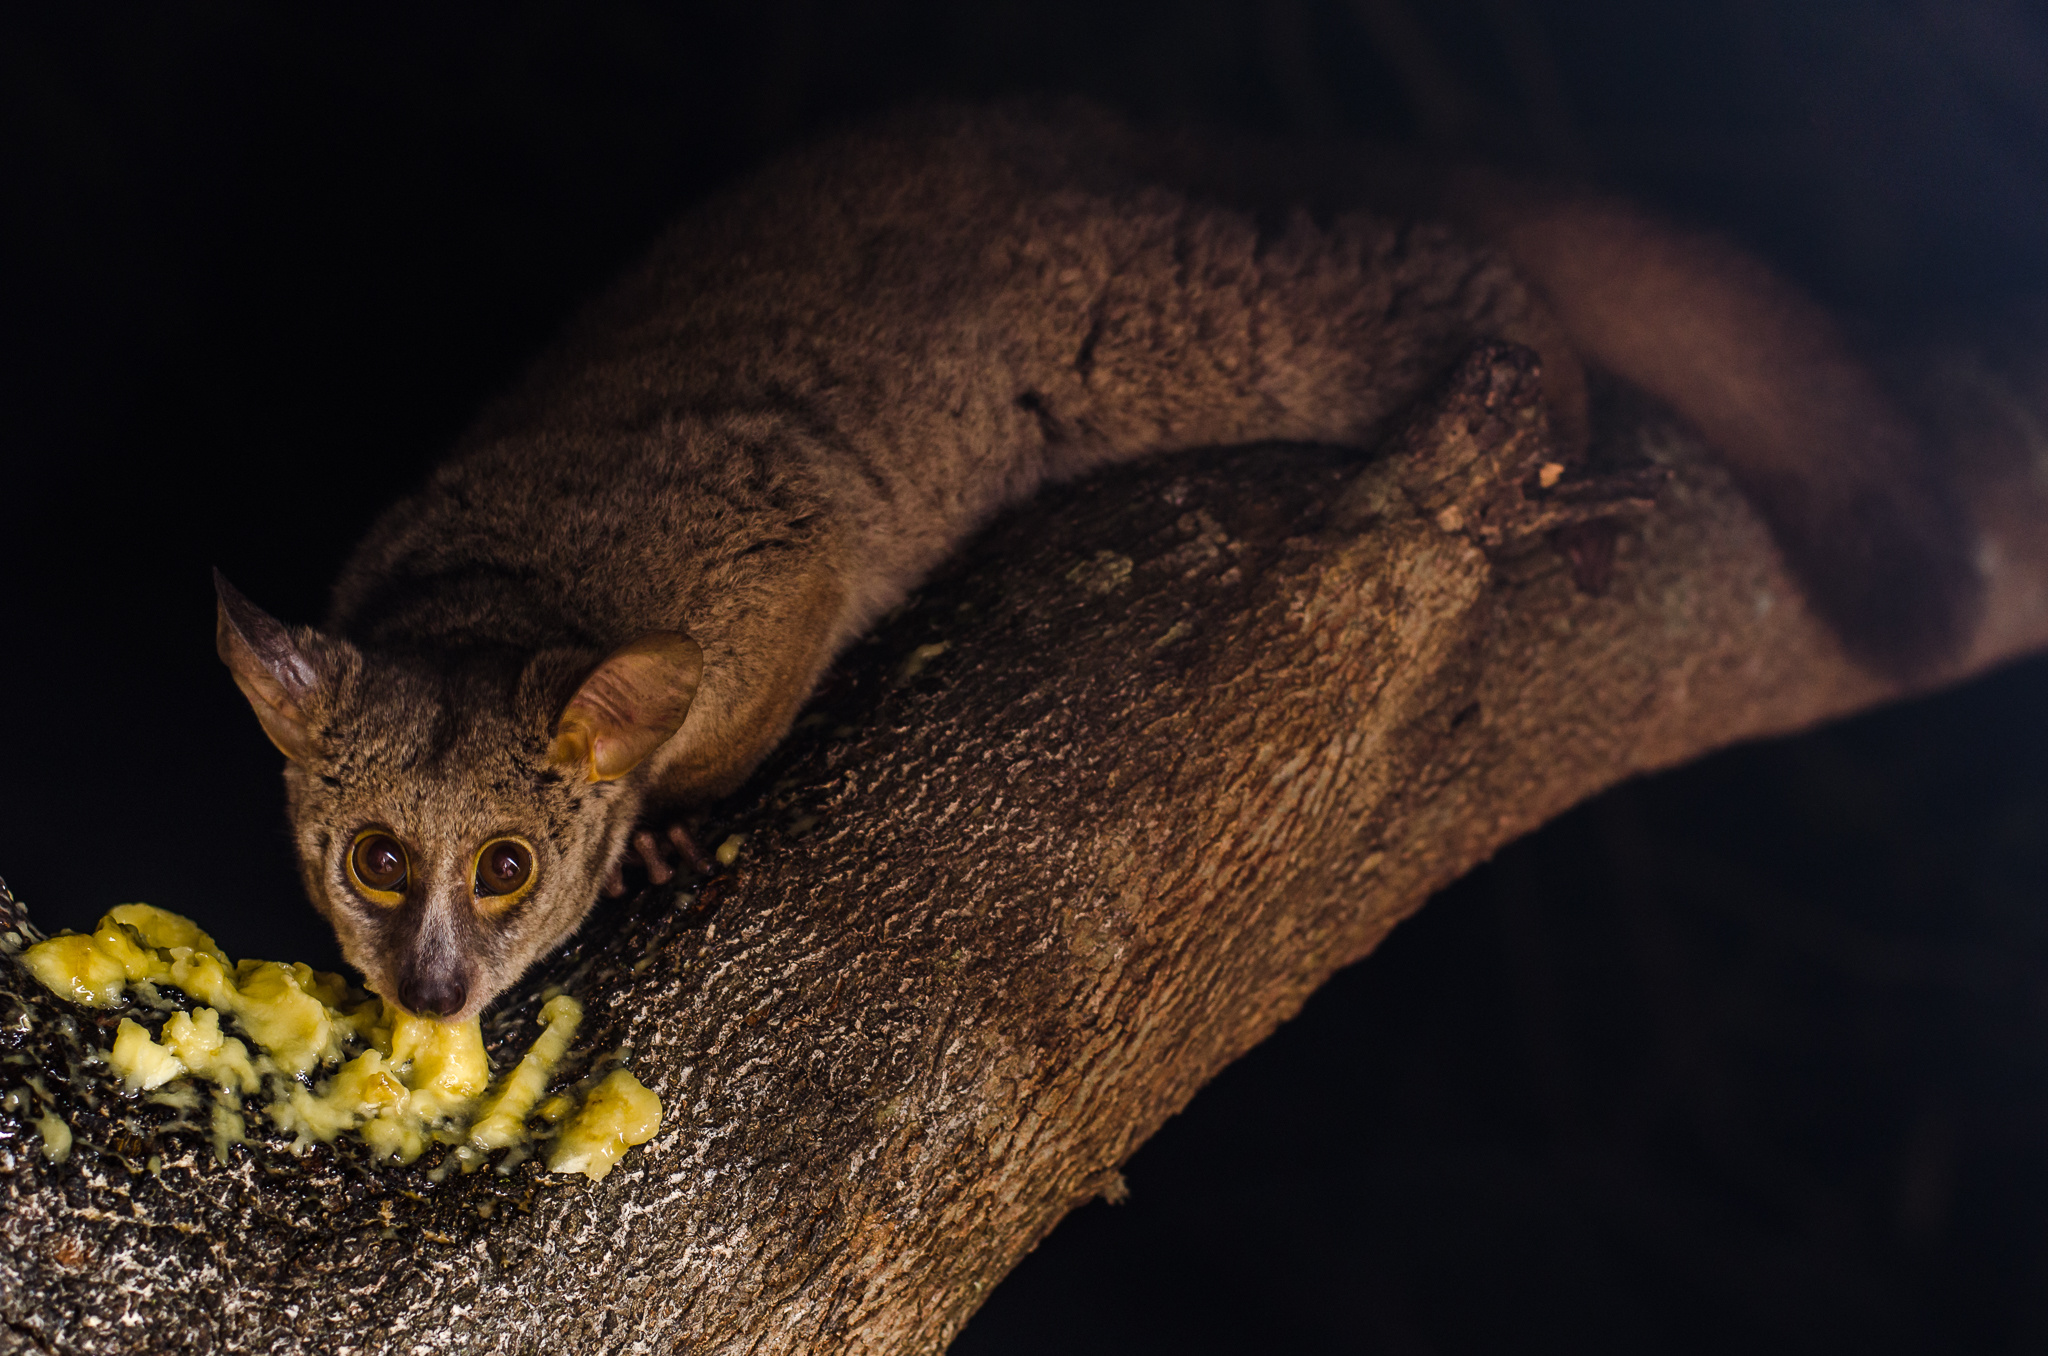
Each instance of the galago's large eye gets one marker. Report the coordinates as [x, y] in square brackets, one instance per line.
[376, 863]
[504, 869]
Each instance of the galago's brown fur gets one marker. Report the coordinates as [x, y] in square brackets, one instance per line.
[823, 380]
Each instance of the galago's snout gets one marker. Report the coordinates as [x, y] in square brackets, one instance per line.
[432, 993]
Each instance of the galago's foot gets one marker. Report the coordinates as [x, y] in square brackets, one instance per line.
[659, 857]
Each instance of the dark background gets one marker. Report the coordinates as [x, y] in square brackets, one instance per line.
[1751, 1056]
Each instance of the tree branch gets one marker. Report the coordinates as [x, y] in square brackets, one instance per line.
[1071, 832]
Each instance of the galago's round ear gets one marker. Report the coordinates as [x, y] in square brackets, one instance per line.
[277, 678]
[629, 705]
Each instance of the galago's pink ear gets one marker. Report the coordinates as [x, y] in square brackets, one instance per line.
[629, 705]
[278, 680]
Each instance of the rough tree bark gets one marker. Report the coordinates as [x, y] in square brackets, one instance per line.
[1083, 823]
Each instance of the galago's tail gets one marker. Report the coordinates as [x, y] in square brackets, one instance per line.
[1841, 474]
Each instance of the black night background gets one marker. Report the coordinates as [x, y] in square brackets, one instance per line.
[1753, 1055]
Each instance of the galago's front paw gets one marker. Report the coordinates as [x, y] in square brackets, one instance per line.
[658, 856]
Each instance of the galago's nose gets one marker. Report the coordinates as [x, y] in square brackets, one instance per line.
[433, 995]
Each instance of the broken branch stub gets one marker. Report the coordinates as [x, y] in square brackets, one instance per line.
[1070, 832]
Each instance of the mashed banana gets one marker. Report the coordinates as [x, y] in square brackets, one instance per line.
[332, 1060]
[618, 1114]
